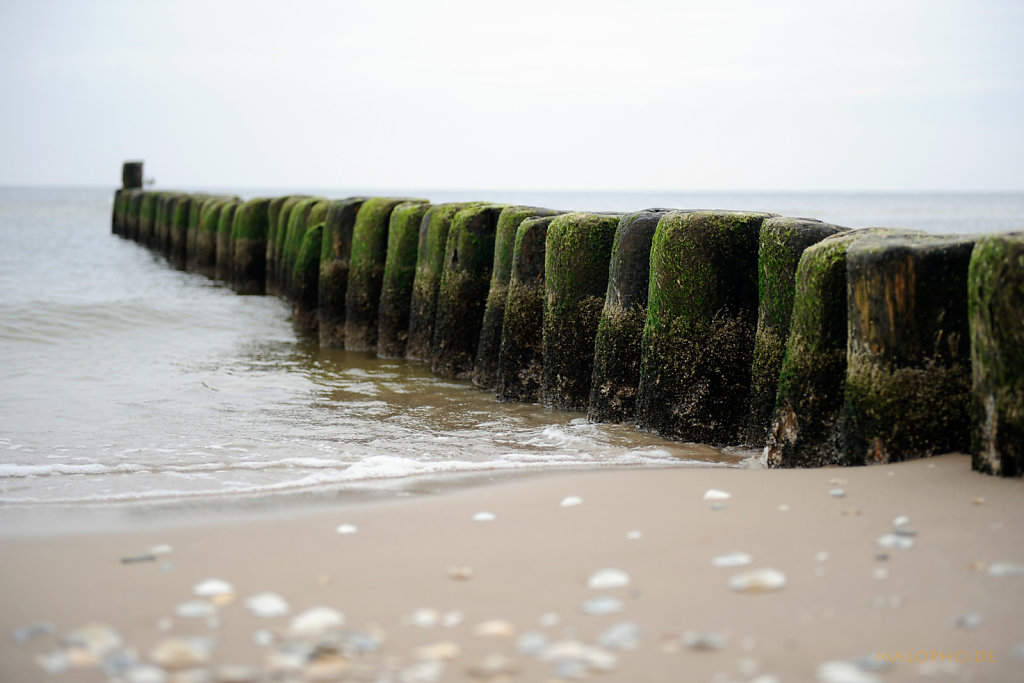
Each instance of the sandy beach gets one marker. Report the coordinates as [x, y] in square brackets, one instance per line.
[888, 573]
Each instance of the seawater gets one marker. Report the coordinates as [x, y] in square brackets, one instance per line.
[124, 381]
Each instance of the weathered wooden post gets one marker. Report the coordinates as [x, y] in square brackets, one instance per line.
[698, 338]
[399, 271]
[521, 360]
[306, 281]
[429, 263]
[578, 250]
[336, 253]
[304, 214]
[249, 247]
[462, 292]
[617, 346]
[781, 244]
[131, 175]
[908, 371]
[485, 367]
[996, 305]
[225, 225]
[366, 271]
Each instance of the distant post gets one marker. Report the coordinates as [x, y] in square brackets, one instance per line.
[131, 175]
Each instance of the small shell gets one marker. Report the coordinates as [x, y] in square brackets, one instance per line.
[634, 535]
[495, 628]
[893, 541]
[181, 653]
[837, 492]
[608, 578]
[438, 652]
[267, 605]
[460, 573]
[484, 517]
[195, 609]
[345, 529]
[1005, 569]
[571, 501]
[716, 494]
[602, 605]
[213, 588]
[733, 559]
[315, 621]
[758, 581]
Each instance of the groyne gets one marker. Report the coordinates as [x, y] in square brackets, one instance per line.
[823, 345]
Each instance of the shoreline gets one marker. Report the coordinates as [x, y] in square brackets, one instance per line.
[419, 558]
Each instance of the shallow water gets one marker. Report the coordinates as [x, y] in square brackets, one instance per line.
[125, 381]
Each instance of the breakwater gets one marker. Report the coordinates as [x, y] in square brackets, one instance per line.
[821, 344]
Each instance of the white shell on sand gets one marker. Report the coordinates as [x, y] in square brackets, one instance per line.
[484, 517]
[424, 617]
[315, 621]
[181, 653]
[347, 529]
[634, 535]
[844, 672]
[758, 581]
[1005, 569]
[145, 674]
[495, 628]
[438, 651]
[622, 635]
[96, 638]
[892, 541]
[532, 643]
[602, 605]
[733, 559]
[716, 494]
[213, 588]
[837, 492]
[571, 501]
[267, 605]
[195, 609]
[608, 578]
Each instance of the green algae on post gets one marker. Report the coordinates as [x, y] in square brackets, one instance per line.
[147, 214]
[249, 247]
[782, 242]
[205, 261]
[131, 223]
[366, 271]
[576, 265]
[908, 372]
[617, 344]
[336, 251]
[306, 212]
[180, 212]
[429, 263]
[275, 219]
[399, 271]
[520, 361]
[306, 281]
[485, 368]
[698, 338]
[225, 224]
[996, 302]
[462, 292]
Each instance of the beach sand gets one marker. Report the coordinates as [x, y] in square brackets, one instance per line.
[429, 593]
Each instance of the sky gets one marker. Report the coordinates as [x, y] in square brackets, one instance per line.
[683, 95]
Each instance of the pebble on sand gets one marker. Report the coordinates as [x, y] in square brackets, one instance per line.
[733, 559]
[758, 581]
[571, 501]
[216, 589]
[716, 494]
[484, 517]
[608, 578]
[346, 529]
[267, 605]
[315, 622]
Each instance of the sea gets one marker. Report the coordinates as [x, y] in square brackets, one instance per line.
[130, 390]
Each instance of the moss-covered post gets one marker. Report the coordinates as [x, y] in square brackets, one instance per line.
[147, 215]
[131, 175]
[366, 272]
[192, 231]
[996, 305]
[225, 224]
[520, 362]
[163, 227]
[131, 225]
[429, 263]
[304, 214]
[485, 368]
[206, 236]
[698, 338]
[462, 293]
[159, 231]
[306, 281]
[782, 242]
[617, 346]
[399, 271]
[908, 372]
[336, 246]
[578, 250]
[276, 220]
[182, 210]
[249, 247]
[117, 217]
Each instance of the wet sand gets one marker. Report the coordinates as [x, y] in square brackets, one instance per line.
[504, 598]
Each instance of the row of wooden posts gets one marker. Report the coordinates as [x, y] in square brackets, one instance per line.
[821, 344]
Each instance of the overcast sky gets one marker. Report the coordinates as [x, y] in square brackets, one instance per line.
[633, 95]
